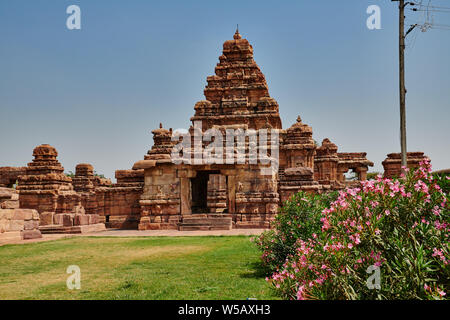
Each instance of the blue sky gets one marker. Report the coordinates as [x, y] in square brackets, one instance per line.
[96, 93]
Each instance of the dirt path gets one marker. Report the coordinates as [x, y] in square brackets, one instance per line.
[136, 233]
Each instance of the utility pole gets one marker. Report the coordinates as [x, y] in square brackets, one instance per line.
[402, 82]
[401, 42]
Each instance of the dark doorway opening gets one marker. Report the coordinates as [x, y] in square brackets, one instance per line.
[199, 186]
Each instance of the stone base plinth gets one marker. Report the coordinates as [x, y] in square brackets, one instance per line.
[52, 229]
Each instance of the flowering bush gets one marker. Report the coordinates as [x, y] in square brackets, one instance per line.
[443, 180]
[397, 228]
[299, 219]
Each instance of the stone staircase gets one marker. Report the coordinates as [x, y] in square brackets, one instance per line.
[59, 228]
[205, 222]
[54, 229]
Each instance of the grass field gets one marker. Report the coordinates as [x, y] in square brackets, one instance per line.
[135, 268]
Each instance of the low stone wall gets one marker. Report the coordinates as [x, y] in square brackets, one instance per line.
[118, 207]
[10, 175]
[19, 224]
[15, 223]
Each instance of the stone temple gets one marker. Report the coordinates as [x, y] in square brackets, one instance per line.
[158, 193]
[189, 196]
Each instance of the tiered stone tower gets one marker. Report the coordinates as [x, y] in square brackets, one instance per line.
[84, 178]
[296, 171]
[46, 188]
[326, 164]
[238, 92]
[160, 201]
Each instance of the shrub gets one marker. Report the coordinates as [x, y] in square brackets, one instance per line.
[372, 175]
[400, 227]
[299, 219]
[70, 174]
[443, 180]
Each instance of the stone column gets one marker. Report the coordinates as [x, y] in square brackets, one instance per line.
[185, 190]
[231, 192]
[362, 173]
[185, 196]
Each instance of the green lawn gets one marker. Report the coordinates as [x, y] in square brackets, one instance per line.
[135, 268]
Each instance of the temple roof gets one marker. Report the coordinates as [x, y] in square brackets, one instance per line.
[237, 93]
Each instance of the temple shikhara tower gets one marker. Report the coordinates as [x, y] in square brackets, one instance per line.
[239, 193]
[238, 189]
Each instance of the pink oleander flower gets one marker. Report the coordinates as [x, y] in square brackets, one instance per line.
[300, 293]
[436, 210]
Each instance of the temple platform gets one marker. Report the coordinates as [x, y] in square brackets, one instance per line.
[206, 222]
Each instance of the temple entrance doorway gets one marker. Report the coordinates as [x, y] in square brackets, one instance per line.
[199, 192]
[209, 192]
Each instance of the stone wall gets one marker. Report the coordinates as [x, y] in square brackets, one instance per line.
[118, 205]
[10, 175]
[16, 224]
[393, 163]
[161, 200]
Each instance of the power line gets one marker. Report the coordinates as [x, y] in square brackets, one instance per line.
[438, 7]
[429, 10]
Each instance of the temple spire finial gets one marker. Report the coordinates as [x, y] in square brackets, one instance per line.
[237, 36]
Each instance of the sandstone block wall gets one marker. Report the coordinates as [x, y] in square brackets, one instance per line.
[10, 175]
[160, 202]
[393, 163]
[16, 224]
[119, 207]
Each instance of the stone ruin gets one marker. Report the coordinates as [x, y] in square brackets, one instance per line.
[119, 203]
[393, 163]
[16, 224]
[10, 175]
[45, 188]
[158, 193]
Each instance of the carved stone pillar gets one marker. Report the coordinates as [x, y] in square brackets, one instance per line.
[185, 196]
